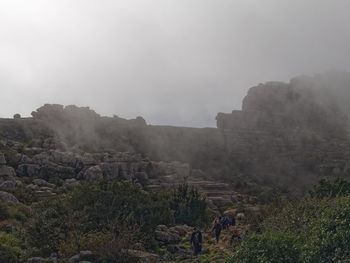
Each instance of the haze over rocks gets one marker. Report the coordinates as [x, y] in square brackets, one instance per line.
[287, 135]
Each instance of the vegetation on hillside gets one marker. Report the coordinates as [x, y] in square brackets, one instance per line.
[314, 229]
[106, 217]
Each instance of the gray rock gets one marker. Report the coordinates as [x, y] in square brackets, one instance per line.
[172, 249]
[74, 259]
[143, 256]
[165, 235]
[37, 260]
[33, 187]
[9, 198]
[93, 173]
[70, 184]
[181, 230]
[45, 193]
[86, 256]
[19, 183]
[28, 170]
[141, 177]
[110, 170]
[8, 184]
[2, 159]
[41, 182]
[5, 171]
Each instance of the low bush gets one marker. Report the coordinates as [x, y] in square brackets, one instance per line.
[189, 206]
[329, 240]
[267, 247]
[11, 250]
[331, 189]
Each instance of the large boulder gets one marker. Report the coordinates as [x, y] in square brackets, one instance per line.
[38, 260]
[42, 182]
[143, 257]
[7, 171]
[70, 184]
[2, 159]
[86, 255]
[82, 256]
[9, 198]
[93, 173]
[181, 230]
[28, 170]
[165, 235]
[110, 170]
[231, 212]
[8, 184]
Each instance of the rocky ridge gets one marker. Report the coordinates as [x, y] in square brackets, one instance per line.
[287, 135]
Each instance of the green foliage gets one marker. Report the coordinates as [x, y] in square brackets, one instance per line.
[106, 217]
[98, 207]
[320, 224]
[189, 206]
[330, 238]
[267, 247]
[10, 248]
[331, 189]
[23, 194]
[4, 211]
[104, 201]
[295, 217]
[48, 225]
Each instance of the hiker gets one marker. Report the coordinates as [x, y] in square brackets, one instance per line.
[233, 221]
[235, 237]
[196, 242]
[217, 227]
[223, 222]
[226, 222]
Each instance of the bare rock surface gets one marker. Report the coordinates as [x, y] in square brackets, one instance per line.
[9, 198]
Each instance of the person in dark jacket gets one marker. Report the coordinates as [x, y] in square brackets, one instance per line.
[196, 242]
[226, 222]
[217, 227]
[233, 221]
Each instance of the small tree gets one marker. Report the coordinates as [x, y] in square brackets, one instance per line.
[189, 206]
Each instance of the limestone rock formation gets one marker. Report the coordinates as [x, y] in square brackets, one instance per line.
[9, 198]
[287, 135]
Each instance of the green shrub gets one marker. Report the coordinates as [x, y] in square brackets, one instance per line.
[295, 217]
[97, 207]
[189, 206]
[10, 248]
[105, 201]
[331, 189]
[4, 212]
[267, 247]
[48, 226]
[24, 194]
[330, 238]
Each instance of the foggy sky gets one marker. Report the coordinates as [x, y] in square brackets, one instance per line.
[177, 62]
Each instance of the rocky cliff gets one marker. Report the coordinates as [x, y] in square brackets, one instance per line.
[287, 135]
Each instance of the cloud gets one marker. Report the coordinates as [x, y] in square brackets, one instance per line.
[173, 62]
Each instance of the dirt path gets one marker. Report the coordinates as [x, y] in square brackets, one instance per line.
[212, 252]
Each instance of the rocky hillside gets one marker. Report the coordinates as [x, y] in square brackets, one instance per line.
[287, 135]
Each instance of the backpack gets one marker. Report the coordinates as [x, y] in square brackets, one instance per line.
[196, 238]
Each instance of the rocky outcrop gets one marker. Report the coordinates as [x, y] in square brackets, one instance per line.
[9, 198]
[166, 236]
[142, 256]
[2, 159]
[287, 135]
